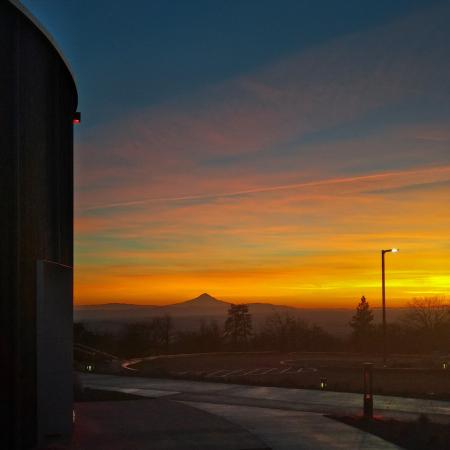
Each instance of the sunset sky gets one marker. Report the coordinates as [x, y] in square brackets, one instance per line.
[259, 150]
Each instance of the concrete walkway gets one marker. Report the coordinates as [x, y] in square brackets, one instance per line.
[272, 397]
[294, 430]
[282, 419]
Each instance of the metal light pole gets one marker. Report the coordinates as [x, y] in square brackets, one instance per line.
[383, 294]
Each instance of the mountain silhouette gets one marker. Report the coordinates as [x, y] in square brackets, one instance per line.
[188, 315]
[200, 301]
[204, 304]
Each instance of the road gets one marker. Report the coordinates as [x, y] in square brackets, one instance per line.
[282, 418]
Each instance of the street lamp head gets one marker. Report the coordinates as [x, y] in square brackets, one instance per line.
[390, 250]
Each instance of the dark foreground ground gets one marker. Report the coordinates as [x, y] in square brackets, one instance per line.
[97, 395]
[155, 424]
[421, 434]
[404, 376]
[107, 420]
[418, 435]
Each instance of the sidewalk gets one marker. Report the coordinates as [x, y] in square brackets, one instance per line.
[294, 430]
[274, 397]
[276, 421]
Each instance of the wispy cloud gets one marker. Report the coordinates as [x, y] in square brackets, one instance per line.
[279, 180]
[436, 174]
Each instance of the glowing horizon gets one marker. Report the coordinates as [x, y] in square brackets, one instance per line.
[280, 183]
[330, 272]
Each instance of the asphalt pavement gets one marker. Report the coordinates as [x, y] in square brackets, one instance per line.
[273, 397]
[155, 424]
[277, 418]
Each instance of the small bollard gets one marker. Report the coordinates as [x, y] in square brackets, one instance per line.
[323, 384]
[368, 392]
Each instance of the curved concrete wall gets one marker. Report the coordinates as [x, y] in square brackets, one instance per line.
[38, 98]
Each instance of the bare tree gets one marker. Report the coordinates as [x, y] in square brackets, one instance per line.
[138, 339]
[210, 336]
[162, 327]
[428, 322]
[285, 331]
[428, 314]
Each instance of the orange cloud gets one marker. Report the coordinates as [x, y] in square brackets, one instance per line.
[282, 184]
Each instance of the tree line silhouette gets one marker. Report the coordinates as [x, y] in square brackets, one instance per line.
[424, 328]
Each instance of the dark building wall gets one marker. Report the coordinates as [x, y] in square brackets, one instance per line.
[37, 100]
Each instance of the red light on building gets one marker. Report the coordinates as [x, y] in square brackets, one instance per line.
[76, 118]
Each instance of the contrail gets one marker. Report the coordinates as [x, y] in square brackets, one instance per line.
[325, 182]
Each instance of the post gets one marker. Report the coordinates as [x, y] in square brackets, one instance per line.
[383, 297]
[368, 393]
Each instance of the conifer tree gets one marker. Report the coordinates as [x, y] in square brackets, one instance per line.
[362, 326]
[238, 325]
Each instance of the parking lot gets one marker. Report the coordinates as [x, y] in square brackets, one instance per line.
[243, 372]
[335, 372]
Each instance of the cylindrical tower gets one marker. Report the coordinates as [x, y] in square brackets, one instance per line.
[38, 99]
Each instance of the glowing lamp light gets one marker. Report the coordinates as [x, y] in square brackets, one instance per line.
[390, 250]
[445, 365]
[323, 384]
[76, 118]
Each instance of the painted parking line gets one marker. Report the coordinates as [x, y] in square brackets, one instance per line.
[222, 373]
[216, 373]
[269, 370]
[252, 372]
[261, 370]
[248, 372]
[233, 372]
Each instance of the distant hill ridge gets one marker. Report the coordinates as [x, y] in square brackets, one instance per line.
[187, 315]
[203, 301]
